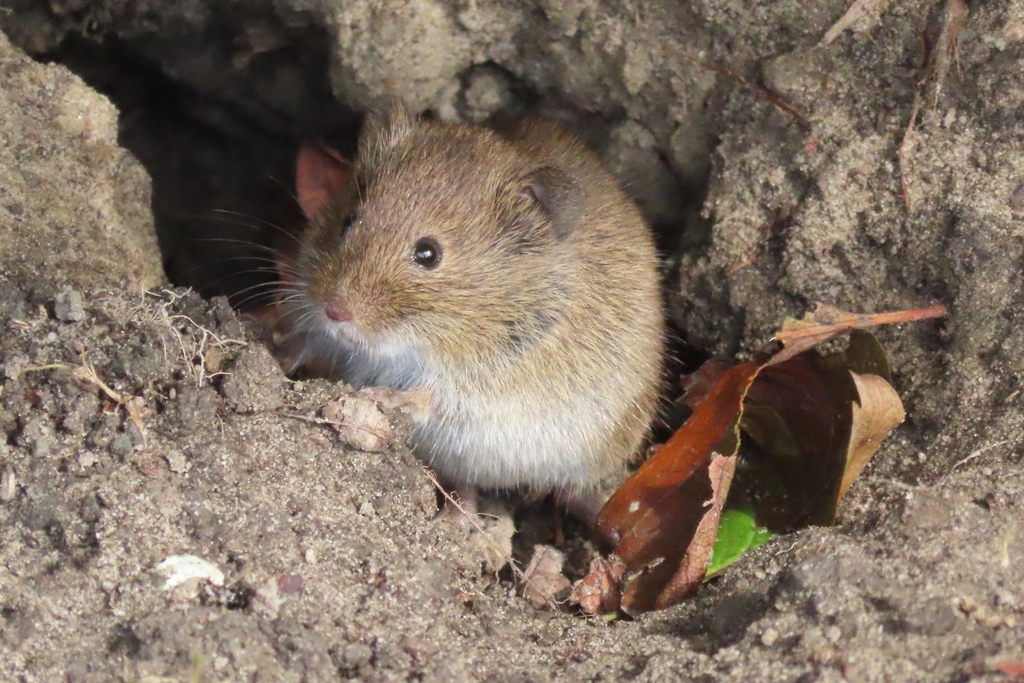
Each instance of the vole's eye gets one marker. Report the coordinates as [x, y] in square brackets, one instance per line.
[427, 253]
[346, 225]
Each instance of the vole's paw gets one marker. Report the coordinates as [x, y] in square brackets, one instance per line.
[585, 505]
[414, 402]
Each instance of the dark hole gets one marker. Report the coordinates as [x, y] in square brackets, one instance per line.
[222, 171]
[239, 596]
[124, 640]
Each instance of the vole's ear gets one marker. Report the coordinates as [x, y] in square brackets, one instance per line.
[557, 196]
[387, 123]
[319, 173]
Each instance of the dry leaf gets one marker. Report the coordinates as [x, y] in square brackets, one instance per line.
[600, 591]
[360, 424]
[880, 411]
[698, 385]
[698, 554]
[544, 582]
[826, 322]
[491, 536]
[811, 423]
[651, 520]
[798, 417]
[135, 407]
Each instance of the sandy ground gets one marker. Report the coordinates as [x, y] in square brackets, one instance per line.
[330, 561]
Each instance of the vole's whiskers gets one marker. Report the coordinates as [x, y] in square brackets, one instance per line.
[256, 223]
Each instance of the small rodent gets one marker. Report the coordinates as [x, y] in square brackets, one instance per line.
[503, 279]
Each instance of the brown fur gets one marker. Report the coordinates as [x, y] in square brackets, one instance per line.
[539, 335]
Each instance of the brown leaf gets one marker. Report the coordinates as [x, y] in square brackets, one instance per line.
[866, 356]
[812, 422]
[600, 591]
[798, 417]
[698, 385]
[827, 321]
[815, 421]
[652, 518]
[695, 562]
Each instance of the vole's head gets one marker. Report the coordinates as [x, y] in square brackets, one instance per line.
[443, 239]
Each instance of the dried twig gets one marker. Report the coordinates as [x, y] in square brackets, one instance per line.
[803, 124]
[978, 452]
[858, 11]
[937, 61]
[904, 151]
[86, 372]
[953, 19]
[826, 322]
[471, 518]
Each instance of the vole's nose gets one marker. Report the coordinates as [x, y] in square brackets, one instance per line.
[337, 313]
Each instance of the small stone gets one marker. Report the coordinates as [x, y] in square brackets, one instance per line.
[67, 306]
[177, 462]
[310, 556]
[833, 634]
[357, 655]
[269, 598]
[8, 485]
[289, 584]
[121, 445]
[769, 637]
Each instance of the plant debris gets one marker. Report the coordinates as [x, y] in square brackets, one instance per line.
[177, 569]
[544, 582]
[772, 446]
[600, 591]
[826, 322]
[860, 17]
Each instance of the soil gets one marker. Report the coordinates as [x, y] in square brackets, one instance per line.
[144, 422]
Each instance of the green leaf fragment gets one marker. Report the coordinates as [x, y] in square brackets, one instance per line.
[738, 534]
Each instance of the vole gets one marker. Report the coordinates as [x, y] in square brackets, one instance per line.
[502, 280]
